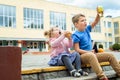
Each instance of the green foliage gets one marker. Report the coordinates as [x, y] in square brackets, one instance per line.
[100, 46]
[116, 46]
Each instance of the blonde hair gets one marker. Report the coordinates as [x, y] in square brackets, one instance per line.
[48, 34]
[76, 17]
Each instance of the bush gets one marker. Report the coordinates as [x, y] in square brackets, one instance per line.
[116, 46]
[100, 46]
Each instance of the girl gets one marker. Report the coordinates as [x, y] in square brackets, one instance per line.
[60, 55]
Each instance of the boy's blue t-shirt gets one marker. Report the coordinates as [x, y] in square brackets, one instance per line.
[83, 38]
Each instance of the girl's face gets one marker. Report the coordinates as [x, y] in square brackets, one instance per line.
[56, 32]
[81, 24]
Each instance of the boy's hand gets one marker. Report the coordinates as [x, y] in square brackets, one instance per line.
[97, 19]
[100, 11]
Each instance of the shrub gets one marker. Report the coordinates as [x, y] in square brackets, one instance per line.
[116, 46]
[100, 46]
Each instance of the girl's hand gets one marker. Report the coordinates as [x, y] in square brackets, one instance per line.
[67, 34]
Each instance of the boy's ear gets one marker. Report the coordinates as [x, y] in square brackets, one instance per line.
[75, 24]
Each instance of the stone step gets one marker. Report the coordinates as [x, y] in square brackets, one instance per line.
[91, 76]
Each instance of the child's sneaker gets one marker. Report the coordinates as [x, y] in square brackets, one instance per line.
[83, 72]
[75, 73]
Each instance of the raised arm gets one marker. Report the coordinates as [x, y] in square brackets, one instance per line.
[97, 19]
[68, 43]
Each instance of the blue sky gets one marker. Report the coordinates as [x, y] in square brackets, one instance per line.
[111, 7]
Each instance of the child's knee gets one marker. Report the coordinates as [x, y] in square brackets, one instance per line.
[76, 53]
[108, 55]
[89, 56]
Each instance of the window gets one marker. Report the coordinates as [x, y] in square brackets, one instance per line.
[117, 39]
[104, 23]
[109, 24]
[110, 34]
[116, 28]
[58, 19]
[7, 16]
[32, 45]
[72, 25]
[105, 34]
[9, 43]
[33, 18]
[42, 46]
[35, 45]
[0, 43]
[110, 43]
[97, 28]
[105, 44]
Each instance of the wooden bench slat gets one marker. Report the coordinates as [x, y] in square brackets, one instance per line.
[56, 68]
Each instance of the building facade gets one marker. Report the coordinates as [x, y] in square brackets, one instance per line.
[23, 22]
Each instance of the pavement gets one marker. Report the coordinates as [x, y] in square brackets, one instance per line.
[34, 61]
[31, 61]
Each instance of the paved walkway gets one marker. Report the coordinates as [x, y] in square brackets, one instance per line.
[38, 61]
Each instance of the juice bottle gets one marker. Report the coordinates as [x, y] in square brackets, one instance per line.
[100, 10]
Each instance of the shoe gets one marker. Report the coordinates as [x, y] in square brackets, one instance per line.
[104, 79]
[83, 72]
[75, 73]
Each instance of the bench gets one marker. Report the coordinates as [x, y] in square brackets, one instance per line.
[56, 68]
[56, 71]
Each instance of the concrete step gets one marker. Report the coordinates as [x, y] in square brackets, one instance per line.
[91, 76]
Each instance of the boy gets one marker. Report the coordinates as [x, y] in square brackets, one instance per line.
[82, 44]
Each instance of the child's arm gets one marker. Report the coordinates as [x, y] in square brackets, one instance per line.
[77, 48]
[69, 43]
[56, 42]
[97, 19]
